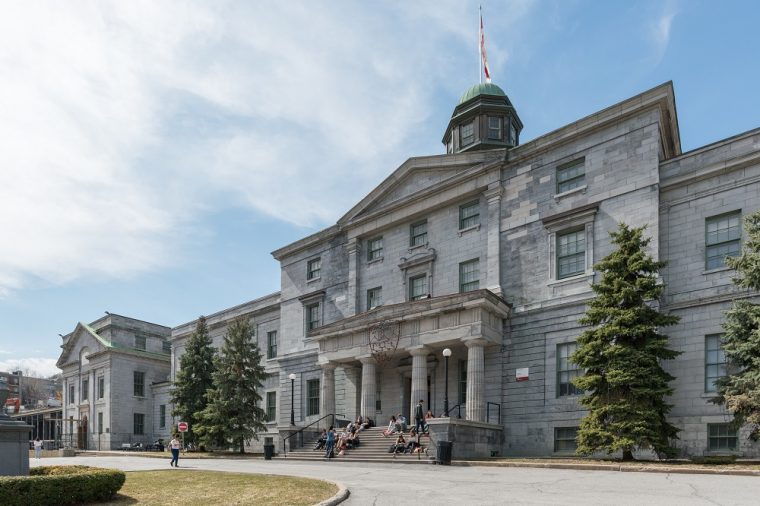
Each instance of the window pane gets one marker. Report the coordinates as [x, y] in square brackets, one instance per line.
[715, 362]
[375, 248]
[469, 215]
[469, 276]
[494, 127]
[723, 238]
[313, 268]
[418, 287]
[570, 177]
[312, 389]
[374, 297]
[462, 383]
[567, 370]
[565, 439]
[467, 133]
[571, 253]
[418, 234]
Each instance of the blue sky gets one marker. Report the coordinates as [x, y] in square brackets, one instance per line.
[153, 154]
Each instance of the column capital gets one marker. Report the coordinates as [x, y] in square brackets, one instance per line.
[493, 195]
[474, 342]
[352, 246]
[328, 366]
[417, 351]
[367, 359]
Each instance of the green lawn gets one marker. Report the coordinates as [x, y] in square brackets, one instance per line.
[200, 488]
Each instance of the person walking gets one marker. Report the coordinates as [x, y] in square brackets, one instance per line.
[37, 448]
[175, 445]
[330, 443]
[419, 418]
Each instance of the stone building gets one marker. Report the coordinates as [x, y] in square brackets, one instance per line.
[111, 370]
[488, 251]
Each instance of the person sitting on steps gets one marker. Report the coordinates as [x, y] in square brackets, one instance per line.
[321, 441]
[399, 445]
[391, 427]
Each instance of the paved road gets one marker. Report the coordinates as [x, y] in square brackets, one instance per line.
[389, 484]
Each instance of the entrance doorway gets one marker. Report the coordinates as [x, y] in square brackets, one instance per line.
[408, 404]
[82, 434]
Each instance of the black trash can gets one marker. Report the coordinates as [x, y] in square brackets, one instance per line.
[443, 453]
[268, 451]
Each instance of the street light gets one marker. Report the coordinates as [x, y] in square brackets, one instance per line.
[292, 397]
[446, 354]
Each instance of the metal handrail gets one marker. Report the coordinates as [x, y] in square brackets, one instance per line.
[458, 407]
[488, 411]
[300, 431]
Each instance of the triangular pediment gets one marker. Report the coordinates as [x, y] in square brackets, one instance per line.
[82, 336]
[417, 175]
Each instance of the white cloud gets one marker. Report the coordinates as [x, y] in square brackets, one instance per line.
[123, 122]
[659, 31]
[42, 367]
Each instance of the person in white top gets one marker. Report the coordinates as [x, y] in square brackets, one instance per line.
[175, 445]
[37, 448]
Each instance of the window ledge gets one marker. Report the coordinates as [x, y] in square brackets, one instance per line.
[375, 261]
[418, 247]
[463, 231]
[313, 280]
[580, 189]
[586, 276]
[273, 359]
[719, 269]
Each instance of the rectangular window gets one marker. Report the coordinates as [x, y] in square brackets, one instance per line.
[494, 127]
[162, 416]
[567, 370]
[139, 383]
[467, 134]
[378, 397]
[418, 234]
[571, 175]
[469, 215]
[166, 346]
[272, 344]
[101, 387]
[512, 134]
[313, 316]
[71, 394]
[85, 389]
[721, 437]
[715, 362]
[140, 342]
[723, 238]
[312, 391]
[418, 287]
[139, 424]
[375, 249]
[313, 268]
[271, 406]
[462, 382]
[469, 276]
[374, 297]
[100, 423]
[565, 439]
[571, 253]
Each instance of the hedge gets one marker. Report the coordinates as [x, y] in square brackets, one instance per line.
[60, 485]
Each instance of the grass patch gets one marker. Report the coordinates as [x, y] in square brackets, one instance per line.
[704, 463]
[197, 488]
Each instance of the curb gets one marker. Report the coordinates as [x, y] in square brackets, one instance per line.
[338, 498]
[612, 467]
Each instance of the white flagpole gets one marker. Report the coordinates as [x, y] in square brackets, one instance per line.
[480, 50]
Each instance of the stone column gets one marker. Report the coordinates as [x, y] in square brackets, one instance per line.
[369, 387]
[476, 404]
[419, 379]
[352, 248]
[327, 394]
[493, 248]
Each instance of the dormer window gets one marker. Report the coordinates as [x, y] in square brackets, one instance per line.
[467, 134]
[494, 127]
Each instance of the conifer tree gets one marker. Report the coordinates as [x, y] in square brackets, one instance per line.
[194, 378]
[624, 383]
[233, 415]
[740, 390]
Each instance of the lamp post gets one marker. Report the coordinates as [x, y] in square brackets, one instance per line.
[446, 354]
[292, 398]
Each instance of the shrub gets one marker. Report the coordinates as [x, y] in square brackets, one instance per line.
[60, 485]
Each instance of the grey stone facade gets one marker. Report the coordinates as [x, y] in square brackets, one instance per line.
[506, 326]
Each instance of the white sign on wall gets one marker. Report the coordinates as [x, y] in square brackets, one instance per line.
[522, 374]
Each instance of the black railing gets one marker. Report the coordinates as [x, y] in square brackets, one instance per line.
[299, 432]
[488, 412]
[458, 407]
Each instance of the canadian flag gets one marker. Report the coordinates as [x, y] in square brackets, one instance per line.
[483, 55]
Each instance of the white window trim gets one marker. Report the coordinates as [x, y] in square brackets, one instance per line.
[583, 218]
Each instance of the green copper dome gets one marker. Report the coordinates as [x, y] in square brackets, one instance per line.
[481, 89]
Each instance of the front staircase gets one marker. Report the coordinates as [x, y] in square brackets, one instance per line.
[373, 447]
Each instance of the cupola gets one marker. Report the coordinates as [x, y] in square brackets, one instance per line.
[484, 118]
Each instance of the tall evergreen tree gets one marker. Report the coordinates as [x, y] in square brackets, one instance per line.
[624, 383]
[233, 415]
[740, 390]
[194, 378]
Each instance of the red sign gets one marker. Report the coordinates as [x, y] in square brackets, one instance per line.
[182, 426]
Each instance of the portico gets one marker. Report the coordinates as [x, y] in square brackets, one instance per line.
[409, 366]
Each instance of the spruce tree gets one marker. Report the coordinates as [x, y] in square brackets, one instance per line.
[625, 386]
[194, 378]
[740, 390]
[233, 415]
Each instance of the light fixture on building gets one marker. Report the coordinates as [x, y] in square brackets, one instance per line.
[446, 354]
[292, 377]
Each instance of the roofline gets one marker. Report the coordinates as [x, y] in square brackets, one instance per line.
[274, 295]
[712, 145]
[109, 314]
